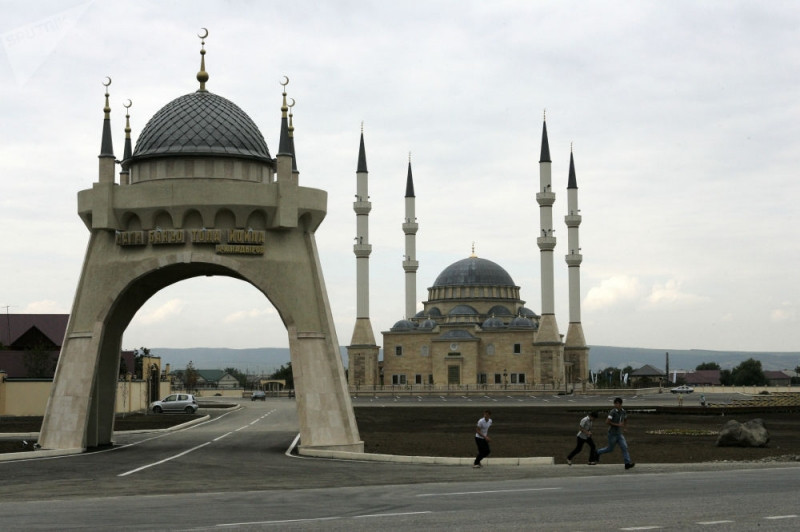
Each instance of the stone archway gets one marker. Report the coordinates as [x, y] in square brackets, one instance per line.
[221, 206]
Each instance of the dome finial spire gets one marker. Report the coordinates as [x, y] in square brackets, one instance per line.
[202, 76]
[473, 255]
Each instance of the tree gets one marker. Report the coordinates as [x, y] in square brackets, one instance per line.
[190, 376]
[39, 363]
[123, 367]
[725, 377]
[707, 365]
[284, 373]
[238, 375]
[748, 373]
[138, 356]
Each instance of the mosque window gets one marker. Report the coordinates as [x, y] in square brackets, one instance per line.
[398, 350]
[498, 378]
[418, 378]
[517, 349]
[430, 378]
[517, 378]
[398, 379]
[490, 349]
[481, 378]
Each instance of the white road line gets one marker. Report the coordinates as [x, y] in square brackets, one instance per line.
[721, 522]
[653, 527]
[390, 515]
[164, 460]
[483, 492]
[278, 522]
[220, 437]
[793, 516]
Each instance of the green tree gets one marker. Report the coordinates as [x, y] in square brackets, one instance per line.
[39, 363]
[138, 356]
[238, 375]
[190, 377]
[748, 373]
[707, 365]
[123, 367]
[725, 377]
[285, 373]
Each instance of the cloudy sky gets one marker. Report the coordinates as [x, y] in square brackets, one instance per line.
[684, 118]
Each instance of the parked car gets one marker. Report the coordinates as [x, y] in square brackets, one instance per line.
[683, 388]
[176, 402]
[258, 395]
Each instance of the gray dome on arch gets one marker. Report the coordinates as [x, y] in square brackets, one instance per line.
[201, 124]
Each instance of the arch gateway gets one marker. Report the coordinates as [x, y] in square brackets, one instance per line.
[199, 196]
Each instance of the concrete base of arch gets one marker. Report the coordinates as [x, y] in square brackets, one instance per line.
[117, 279]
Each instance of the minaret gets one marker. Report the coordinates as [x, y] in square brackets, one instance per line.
[548, 340]
[286, 169]
[362, 352]
[125, 174]
[410, 264]
[576, 353]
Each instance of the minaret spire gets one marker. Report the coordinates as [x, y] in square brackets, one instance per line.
[410, 264]
[362, 351]
[548, 345]
[291, 139]
[107, 159]
[575, 349]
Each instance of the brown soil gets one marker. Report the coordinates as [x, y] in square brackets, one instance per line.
[551, 431]
[525, 431]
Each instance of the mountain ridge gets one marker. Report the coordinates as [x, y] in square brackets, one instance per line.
[265, 360]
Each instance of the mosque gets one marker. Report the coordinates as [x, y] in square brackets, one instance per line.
[474, 331]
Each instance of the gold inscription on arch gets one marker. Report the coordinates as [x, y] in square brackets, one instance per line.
[246, 236]
[130, 238]
[236, 249]
[206, 236]
[227, 242]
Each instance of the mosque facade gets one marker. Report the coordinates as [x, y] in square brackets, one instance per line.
[474, 331]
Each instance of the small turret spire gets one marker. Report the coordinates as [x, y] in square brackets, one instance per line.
[291, 138]
[106, 145]
[126, 154]
[202, 76]
[284, 146]
[572, 181]
[473, 255]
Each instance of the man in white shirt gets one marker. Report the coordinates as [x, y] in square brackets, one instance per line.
[482, 438]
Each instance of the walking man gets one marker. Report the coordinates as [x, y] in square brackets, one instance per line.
[616, 421]
[585, 436]
[482, 438]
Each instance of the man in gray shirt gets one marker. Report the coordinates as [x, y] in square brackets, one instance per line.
[616, 421]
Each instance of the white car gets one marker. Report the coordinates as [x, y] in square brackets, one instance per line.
[176, 402]
[683, 388]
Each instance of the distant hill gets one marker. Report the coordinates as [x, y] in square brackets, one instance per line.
[264, 360]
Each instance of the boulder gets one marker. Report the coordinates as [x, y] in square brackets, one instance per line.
[750, 434]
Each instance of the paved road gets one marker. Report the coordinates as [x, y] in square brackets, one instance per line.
[231, 473]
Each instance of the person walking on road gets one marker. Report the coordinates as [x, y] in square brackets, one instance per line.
[585, 437]
[616, 421]
[482, 438]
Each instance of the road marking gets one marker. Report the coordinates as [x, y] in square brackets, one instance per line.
[164, 460]
[652, 527]
[397, 514]
[278, 522]
[483, 492]
[793, 516]
[721, 522]
[220, 437]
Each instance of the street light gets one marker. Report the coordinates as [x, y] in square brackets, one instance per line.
[505, 378]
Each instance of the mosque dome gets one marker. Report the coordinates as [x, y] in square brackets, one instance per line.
[403, 325]
[427, 324]
[474, 271]
[528, 313]
[493, 323]
[463, 310]
[499, 310]
[201, 124]
[521, 321]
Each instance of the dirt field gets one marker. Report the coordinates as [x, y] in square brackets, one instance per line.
[531, 431]
[525, 431]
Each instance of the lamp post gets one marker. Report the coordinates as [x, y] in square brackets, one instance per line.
[505, 378]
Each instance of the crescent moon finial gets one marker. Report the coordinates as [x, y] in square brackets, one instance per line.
[128, 104]
[285, 81]
[291, 104]
[205, 33]
[107, 82]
